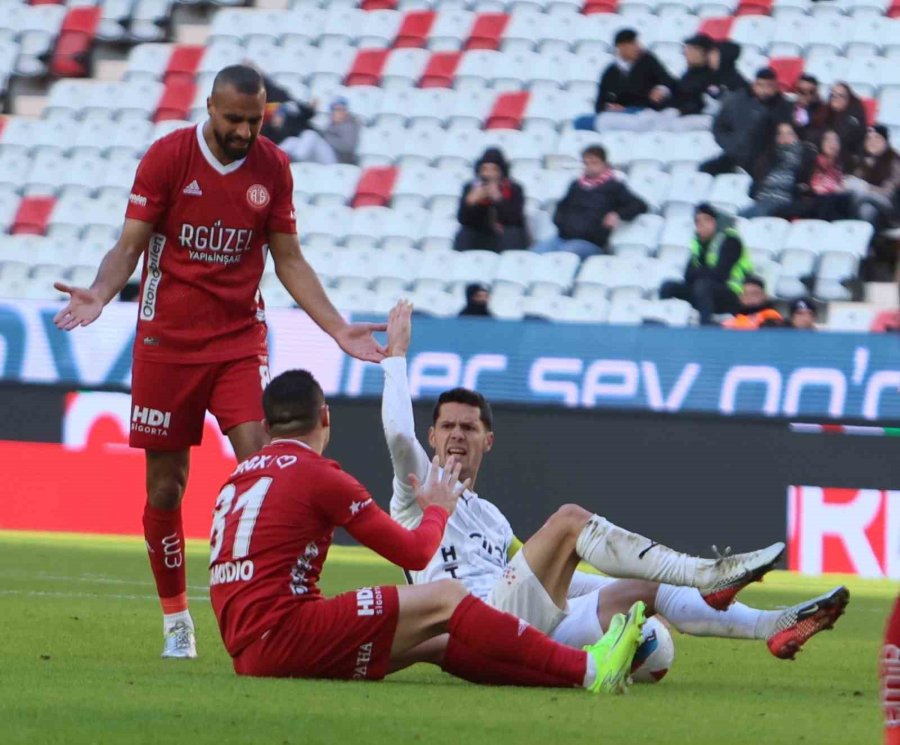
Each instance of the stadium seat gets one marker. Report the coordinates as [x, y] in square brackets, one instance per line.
[394, 270]
[367, 67]
[765, 235]
[404, 67]
[670, 312]
[379, 28]
[183, 63]
[375, 187]
[477, 69]
[731, 192]
[555, 270]
[686, 190]
[177, 99]
[449, 30]
[718, 28]
[847, 236]
[508, 111]
[856, 317]
[440, 70]
[600, 6]
[71, 55]
[414, 29]
[32, 215]
[651, 185]
[148, 61]
[486, 31]
[834, 271]
[788, 70]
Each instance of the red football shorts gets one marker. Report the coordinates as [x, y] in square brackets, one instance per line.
[169, 400]
[347, 637]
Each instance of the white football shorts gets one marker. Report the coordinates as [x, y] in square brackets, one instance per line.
[519, 592]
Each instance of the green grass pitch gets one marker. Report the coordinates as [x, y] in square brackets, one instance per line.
[81, 637]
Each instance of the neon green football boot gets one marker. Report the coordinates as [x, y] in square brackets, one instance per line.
[614, 651]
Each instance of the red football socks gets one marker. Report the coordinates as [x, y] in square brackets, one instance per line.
[461, 661]
[890, 678]
[164, 534]
[503, 638]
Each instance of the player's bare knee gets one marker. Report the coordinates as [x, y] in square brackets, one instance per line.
[165, 492]
[571, 518]
[451, 593]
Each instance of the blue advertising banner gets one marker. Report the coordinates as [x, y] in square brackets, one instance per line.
[775, 372]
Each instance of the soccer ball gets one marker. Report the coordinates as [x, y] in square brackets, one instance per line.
[655, 655]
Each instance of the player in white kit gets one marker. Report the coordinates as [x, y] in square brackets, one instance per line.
[538, 581]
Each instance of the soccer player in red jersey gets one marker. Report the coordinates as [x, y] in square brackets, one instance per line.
[272, 527]
[890, 677]
[208, 204]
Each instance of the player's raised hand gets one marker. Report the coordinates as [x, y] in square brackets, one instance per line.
[83, 308]
[356, 340]
[441, 487]
[399, 329]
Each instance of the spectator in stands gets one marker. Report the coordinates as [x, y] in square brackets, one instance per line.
[803, 314]
[692, 89]
[876, 179]
[826, 197]
[285, 117]
[781, 173]
[846, 115]
[342, 132]
[478, 295]
[592, 208]
[492, 208]
[746, 118]
[810, 111]
[726, 79]
[757, 308]
[715, 274]
[631, 88]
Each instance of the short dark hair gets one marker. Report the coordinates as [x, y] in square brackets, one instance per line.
[625, 36]
[755, 281]
[766, 73]
[807, 78]
[469, 398]
[243, 78]
[598, 151]
[292, 402]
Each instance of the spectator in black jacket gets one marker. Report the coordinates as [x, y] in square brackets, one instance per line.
[715, 274]
[846, 115]
[746, 118]
[592, 208]
[726, 78]
[691, 92]
[492, 208]
[781, 174]
[478, 296]
[809, 109]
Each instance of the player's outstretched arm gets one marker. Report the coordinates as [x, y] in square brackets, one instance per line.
[299, 279]
[407, 454]
[86, 303]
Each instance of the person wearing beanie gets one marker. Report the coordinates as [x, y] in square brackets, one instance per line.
[342, 132]
[492, 208]
[802, 314]
[723, 59]
[477, 296]
[715, 274]
[746, 119]
[877, 179]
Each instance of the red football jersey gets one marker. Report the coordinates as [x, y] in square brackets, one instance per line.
[200, 299]
[272, 526]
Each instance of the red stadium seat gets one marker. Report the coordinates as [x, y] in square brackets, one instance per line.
[718, 28]
[414, 29]
[600, 6]
[508, 110]
[378, 4]
[183, 62]
[33, 215]
[788, 70]
[440, 70]
[487, 31]
[72, 54]
[367, 67]
[47, 2]
[375, 187]
[176, 100]
[871, 107]
[894, 10]
[754, 8]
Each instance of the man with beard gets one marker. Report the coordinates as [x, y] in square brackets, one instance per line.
[207, 206]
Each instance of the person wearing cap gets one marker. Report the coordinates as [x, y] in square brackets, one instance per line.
[634, 83]
[477, 296]
[747, 117]
[492, 208]
[876, 179]
[757, 309]
[342, 132]
[715, 274]
[803, 314]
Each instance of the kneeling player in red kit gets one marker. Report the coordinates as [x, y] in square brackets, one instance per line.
[273, 524]
[890, 677]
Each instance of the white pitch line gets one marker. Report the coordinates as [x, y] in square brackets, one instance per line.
[90, 578]
[91, 595]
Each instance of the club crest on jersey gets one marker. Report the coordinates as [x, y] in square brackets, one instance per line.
[258, 196]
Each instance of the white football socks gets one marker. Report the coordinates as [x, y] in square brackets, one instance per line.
[170, 619]
[623, 554]
[688, 612]
[590, 671]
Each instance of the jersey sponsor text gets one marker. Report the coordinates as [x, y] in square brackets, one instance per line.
[231, 571]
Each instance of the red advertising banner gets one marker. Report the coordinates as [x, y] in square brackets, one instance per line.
[854, 531]
[93, 482]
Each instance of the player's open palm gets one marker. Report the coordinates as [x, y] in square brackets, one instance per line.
[84, 307]
[356, 340]
[441, 487]
[399, 329]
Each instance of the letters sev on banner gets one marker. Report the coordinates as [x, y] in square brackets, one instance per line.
[853, 531]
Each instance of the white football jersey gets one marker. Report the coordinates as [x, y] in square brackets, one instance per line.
[477, 538]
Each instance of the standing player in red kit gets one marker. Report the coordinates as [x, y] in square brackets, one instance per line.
[890, 677]
[273, 523]
[207, 205]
